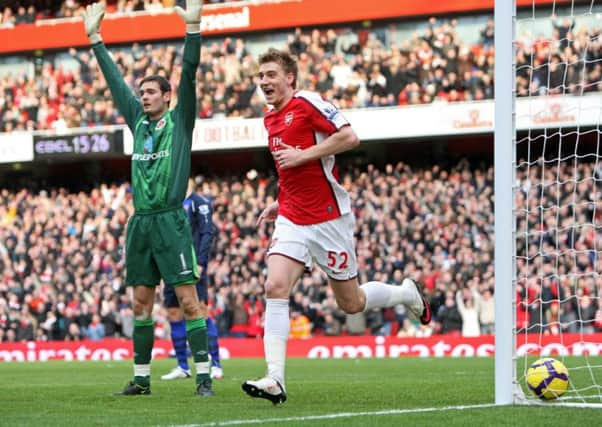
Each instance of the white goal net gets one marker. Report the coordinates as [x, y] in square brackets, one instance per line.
[557, 195]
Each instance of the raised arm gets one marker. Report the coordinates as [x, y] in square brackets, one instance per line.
[191, 58]
[476, 297]
[460, 303]
[128, 104]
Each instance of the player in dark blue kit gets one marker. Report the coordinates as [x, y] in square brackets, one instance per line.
[199, 211]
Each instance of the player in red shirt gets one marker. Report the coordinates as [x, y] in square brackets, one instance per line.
[314, 221]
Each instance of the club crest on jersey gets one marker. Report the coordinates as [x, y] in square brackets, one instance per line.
[160, 124]
[288, 119]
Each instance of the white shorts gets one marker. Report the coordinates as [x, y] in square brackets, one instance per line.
[329, 244]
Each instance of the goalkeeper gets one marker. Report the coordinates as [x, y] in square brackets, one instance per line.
[158, 241]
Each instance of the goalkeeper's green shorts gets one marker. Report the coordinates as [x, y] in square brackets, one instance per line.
[159, 246]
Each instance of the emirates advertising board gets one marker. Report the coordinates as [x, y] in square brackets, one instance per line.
[316, 348]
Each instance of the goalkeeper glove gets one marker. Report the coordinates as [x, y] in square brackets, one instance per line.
[192, 15]
[92, 18]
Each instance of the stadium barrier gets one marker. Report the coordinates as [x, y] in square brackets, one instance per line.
[315, 348]
[371, 124]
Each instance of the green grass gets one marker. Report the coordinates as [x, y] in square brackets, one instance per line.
[80, 394]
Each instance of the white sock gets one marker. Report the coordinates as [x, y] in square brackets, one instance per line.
[381, 295]
[201, 367]
[277, 327]
[142, 370]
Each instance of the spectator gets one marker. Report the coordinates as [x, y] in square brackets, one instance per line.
[487, 34]
[300, 327]
[449, 316]
[255, 322]
[240, 316]
[331, 326]
[96, 329]
[108, 319]
[7, 19]
[468, 306]
[355, 324]
[375, 322]
[487, 312]
[126, 321]
[408, 329]
[587, 312]
[73, 333]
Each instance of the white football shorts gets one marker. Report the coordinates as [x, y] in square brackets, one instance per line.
[329, 244]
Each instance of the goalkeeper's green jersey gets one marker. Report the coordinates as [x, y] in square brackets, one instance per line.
[161, 154]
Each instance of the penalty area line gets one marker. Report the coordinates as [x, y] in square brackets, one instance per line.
[337, 415]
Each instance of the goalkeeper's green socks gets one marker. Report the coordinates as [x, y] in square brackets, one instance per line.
[144, 336]
[196, 330]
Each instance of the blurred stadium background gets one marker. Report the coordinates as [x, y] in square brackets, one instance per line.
[414, 78]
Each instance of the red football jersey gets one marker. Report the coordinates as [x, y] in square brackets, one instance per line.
[309, 193]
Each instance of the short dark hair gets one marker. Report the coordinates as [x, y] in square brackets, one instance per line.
[164, 84]
[287, 61]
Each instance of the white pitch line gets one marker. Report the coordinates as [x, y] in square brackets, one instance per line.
[336, 415]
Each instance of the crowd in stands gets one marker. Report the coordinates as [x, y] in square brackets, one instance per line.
[355, 68]
[19, 12]
[61, 255]
[557, 210]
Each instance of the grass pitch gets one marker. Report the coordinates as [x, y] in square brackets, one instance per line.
[344, 392]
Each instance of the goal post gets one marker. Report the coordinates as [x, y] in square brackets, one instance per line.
[504, 137]
[548, 195]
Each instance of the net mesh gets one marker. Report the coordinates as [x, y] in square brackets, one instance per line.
[557, 193]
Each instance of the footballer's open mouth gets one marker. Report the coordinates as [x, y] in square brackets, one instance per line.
[267, 91]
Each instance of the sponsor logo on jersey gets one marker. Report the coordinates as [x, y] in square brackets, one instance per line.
[276, 141]
[145, 157]
[160, 124]
[288, 118]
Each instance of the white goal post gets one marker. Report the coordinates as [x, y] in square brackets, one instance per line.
[548, 196]
[504, 143]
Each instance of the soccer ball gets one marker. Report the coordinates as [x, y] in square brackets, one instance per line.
[548, 378]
